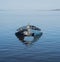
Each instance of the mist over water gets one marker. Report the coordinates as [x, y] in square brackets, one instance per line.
[46, 49]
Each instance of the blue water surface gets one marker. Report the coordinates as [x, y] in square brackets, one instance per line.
[46, 49]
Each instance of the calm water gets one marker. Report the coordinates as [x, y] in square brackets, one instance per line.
[46, 49]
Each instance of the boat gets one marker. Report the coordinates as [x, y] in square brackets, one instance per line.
[28, 31]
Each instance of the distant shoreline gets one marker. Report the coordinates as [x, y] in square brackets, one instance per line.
[55, 10]
[32, 10]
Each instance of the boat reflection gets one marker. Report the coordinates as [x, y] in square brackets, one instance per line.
[27, 42]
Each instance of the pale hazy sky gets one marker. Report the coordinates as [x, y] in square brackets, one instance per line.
[30, 4]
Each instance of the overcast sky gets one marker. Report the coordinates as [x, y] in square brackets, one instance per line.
[30, 4]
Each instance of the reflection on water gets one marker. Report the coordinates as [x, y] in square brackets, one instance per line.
[27, 42]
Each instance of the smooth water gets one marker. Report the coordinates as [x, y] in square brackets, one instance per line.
[46, 49]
